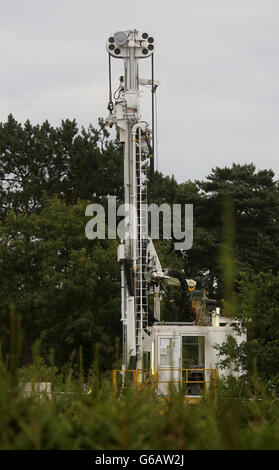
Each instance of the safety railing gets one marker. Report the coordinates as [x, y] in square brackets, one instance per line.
[127, 379]
[195, 382]
[139, 378]
[191, 371]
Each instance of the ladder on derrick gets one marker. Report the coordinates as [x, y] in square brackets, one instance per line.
[141, 287]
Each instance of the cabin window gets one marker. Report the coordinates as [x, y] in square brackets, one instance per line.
[169, 352]
[192, 352]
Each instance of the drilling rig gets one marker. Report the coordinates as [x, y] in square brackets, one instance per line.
[152, 346]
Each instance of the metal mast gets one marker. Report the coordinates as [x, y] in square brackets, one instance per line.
[131, 46]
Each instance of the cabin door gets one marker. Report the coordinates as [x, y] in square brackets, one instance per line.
[169, 362]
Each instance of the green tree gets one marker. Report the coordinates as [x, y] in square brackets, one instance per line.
[64, 287]
[255, 218]
[257, 306]
[65, 161]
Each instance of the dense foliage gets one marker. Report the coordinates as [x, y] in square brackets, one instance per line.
[238, 415]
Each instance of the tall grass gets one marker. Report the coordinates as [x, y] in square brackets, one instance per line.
[240, 415]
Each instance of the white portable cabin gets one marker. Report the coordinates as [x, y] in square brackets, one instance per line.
[171, 344]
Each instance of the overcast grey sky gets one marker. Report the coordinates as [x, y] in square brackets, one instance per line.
[217, 60]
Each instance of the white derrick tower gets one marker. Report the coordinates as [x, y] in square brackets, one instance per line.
[132, 46]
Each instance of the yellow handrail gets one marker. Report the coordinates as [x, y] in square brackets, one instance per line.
[139, 384]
